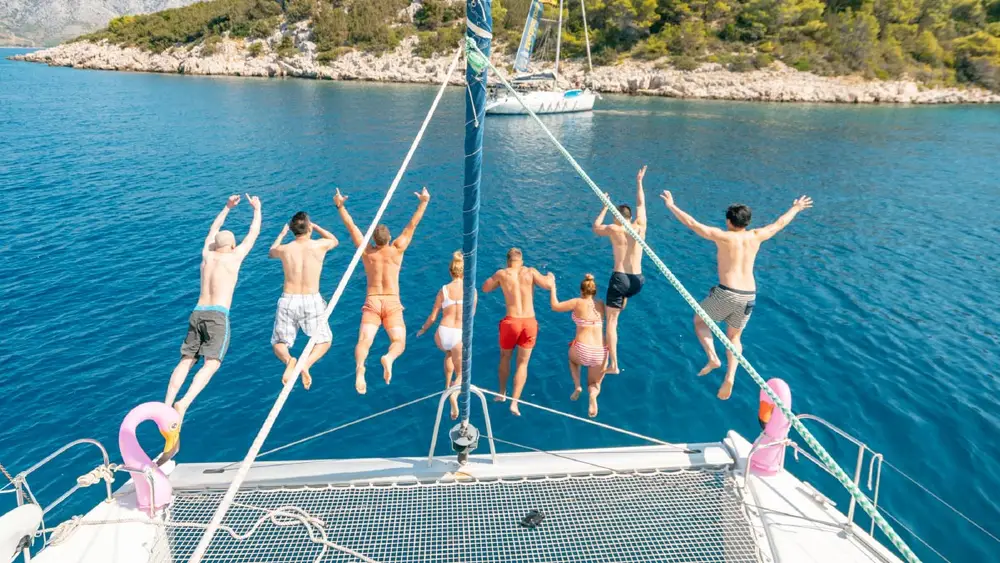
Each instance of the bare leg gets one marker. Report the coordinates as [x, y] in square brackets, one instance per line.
[397, 343]
[178, 376]
[318, 351]
[707, 343]
[735, 335]
[284, 356]
[574, 372]
[455, 355]
[595, 376]
[520, 377]
[504, 374]
[199, 382]
[365, 338]
[613, 339]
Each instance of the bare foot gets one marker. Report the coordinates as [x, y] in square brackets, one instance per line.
[387, 369]
[454, 412]
[513, 408]
[307, 379]
[726, 389]
[289, 368]
[712, 364]
[576, 394]
[612, 369]
[501, 398]
[592, 411]
[359, 381]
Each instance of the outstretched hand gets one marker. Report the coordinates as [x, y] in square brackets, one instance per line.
[550, 280]
[424, 196]
[803, 203]
[254, 201]
[421, 332]
[233, 201]
[667, 197]
[339, 199]
[641, 174]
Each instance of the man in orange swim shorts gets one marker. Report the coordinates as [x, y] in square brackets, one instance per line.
[518, 329]
[382, 261]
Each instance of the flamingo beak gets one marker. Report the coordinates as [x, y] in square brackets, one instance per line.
[172, 439]
[764, 413]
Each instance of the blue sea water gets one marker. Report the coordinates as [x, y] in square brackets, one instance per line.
[877, 306]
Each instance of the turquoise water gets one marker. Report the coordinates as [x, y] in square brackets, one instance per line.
[876, 306]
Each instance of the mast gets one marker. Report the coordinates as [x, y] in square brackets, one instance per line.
[586, 34]
[479, 28]
[555, 83]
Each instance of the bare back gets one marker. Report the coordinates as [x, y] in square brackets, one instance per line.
[737, 251]
[589, 309]
[382, 265]
[518, 285]
[627, 252]
[302, 261]
[219, 273]
[451, 316]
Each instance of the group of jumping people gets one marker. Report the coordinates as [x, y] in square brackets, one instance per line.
[595, 345]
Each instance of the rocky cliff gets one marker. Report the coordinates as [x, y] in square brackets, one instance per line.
[777, 83]
[46, 22]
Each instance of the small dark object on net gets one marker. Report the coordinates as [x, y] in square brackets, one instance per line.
[532, 519]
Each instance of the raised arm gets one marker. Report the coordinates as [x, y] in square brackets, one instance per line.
[492, 283]
[275, 250]
[640, 198]
[548, 281]
[801, 204]
[560, 306]
[248, 241]
[326, 237]
[704, 231]
[600, 229]
[339, 201]
[433, 316]
[217, 224]
[403, 241]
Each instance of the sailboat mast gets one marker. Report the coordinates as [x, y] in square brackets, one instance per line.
[555, 83]
[586, 34]
[479, 28]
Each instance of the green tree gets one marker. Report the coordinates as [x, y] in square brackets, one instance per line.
[430, 15]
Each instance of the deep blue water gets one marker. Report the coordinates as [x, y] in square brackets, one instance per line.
[877, 306]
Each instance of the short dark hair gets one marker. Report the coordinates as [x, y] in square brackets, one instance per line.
[626, 211]
[299, 225]
[738, 215]
[381, 236]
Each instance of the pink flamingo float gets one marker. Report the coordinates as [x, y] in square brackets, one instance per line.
[769, 460]
[136, 460]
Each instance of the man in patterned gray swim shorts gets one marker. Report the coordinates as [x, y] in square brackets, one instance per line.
[301, 306]
[208, 326]
[734, 298]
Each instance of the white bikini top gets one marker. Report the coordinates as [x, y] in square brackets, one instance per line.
[447, 301]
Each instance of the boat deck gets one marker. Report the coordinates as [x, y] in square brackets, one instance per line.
[617, 504]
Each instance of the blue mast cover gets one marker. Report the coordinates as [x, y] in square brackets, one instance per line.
[479, 28]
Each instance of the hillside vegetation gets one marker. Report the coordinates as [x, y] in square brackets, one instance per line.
[932, 41]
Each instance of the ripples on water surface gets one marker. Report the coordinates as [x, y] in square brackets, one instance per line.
[876, 306]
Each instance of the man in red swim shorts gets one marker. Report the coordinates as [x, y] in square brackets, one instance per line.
[518, 329]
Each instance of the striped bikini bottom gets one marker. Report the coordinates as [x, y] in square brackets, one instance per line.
[588, 355]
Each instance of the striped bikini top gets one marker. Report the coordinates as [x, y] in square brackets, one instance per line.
[447, 301]
[587, 322]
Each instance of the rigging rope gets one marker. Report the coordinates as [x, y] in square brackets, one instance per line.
[265, 429]
[807, 436]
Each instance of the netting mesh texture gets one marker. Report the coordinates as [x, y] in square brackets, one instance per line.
[676, 516]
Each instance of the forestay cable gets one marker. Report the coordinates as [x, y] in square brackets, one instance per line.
[265, 429]
[821, 452]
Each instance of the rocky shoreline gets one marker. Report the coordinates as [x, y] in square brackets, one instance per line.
[778, 83]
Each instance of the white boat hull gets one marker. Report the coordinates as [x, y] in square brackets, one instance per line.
[542, 102]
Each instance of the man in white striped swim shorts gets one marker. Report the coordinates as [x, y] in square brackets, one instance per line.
[301, 306]
[734, 298]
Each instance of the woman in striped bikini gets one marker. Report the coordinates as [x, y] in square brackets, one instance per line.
[448, 336]
[587, 349]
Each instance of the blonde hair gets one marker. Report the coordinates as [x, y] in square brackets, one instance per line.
[588, 287]
[514, 255]
[457, 267]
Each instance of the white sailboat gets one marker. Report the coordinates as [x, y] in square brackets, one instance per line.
[541, 101]
[727, 500]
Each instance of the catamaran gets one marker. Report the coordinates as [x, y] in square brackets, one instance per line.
[723, 500]
[531, 86]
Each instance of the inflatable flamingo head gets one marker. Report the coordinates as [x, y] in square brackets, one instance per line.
[169, 423]
[772, 421]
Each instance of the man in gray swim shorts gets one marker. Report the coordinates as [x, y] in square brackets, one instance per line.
[734, 298]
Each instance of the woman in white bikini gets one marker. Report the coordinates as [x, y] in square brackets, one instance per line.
[448, 336]
[587, 349]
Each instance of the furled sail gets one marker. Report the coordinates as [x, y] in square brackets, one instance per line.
[528, 37]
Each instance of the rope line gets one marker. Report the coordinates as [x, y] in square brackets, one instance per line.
[265, 429]
[807, 436]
